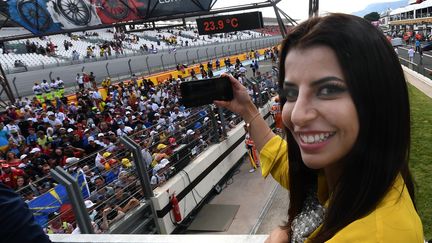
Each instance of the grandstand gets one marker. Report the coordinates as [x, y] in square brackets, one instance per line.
[129, 44]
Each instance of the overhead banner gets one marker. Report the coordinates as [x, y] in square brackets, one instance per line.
[54, 16]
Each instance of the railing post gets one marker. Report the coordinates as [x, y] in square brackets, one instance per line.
[50, 76]
[106, 67]
[140, 165]
[163, 67]
[175, 58]
[75, 197]
[148, 67]
[223, 121]
[223, 53]
[43, 65]
[14, 84]
[187, 57]
[216, 136]
[198, 59]
[207, 54]
[235, 48]
[129, 64]
[215, 52]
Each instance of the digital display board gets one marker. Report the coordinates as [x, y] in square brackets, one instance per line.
[56, 16]
[230, 23]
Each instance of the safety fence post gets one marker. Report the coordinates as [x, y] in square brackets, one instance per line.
[130, 68]
[148, 67]
[75, 197]
[142, 173]
[163, 67]
[223, 121]
[140, 165]
[106, 67]
[216, 135]
[14, 84]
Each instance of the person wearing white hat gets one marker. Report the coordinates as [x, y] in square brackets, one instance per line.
[158, 177]
[92, 213]
[53, 121]
[71, 160]
[35, 150]
[124, 130]
[154, 106]
[164, 162]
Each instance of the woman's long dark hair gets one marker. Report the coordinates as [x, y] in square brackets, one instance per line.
[378, 88]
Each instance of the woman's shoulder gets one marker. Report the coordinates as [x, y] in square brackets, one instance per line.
[394, 220]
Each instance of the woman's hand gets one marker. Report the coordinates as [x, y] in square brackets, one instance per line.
[278, 235]
[242, 103]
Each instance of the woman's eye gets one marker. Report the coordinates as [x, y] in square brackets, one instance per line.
[329, 90]
[290, 94]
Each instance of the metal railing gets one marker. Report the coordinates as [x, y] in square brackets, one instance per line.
[417, 67]
[132, 53]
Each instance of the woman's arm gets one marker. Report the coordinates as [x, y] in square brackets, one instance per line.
[278, 235]
[242, 104]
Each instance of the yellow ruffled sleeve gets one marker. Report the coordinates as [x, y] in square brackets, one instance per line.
[274, 160]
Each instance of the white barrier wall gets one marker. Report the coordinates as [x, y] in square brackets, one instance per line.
[227, 153]
[58, 238]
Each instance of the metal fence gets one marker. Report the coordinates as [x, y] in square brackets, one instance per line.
[133, 53]
[418, 67]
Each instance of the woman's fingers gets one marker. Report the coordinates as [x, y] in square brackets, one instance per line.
[222, 103]
[234, 82]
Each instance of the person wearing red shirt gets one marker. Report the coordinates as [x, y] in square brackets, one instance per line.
[9, 176]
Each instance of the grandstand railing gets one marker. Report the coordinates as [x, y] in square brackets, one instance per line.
[417, 67]
[133, 52]
[170, 60]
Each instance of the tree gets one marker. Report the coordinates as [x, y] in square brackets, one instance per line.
[372, 16]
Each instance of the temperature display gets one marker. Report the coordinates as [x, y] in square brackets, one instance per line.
[230, 23]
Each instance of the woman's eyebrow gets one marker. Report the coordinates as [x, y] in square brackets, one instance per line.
[315, 82]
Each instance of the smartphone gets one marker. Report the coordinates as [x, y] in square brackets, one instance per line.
[202, 92]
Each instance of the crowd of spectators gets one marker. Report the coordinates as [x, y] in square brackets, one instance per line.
[83, 135]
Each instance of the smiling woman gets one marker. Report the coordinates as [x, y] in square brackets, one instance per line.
[346, 113]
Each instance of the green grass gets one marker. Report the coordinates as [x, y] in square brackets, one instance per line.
[421, 155]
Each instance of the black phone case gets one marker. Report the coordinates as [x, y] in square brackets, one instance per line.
[202, 92]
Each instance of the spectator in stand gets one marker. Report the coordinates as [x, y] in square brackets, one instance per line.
[19, 63]
[9, 175]
[102, 192]
[123, 199]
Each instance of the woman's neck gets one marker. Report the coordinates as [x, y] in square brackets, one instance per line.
[332, 174]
